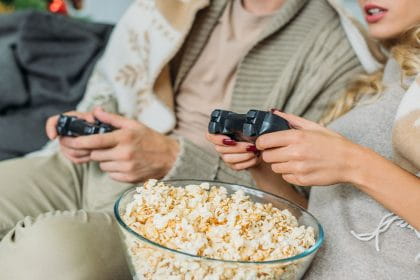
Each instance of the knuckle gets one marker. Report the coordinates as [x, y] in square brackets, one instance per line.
[115, 177]
[130, 178]
[299, 135]
[260, 143]
[250, 156]
[297, 154]
[301, 180]
[276, 168]
[75, 143]
[226, 158]
[94, 155]
[128, 136]
[102, 166]
[219, 149]
[266, 156]
[72, 152]
[290, 179]
[127, 155]
[254, 161]
[130, 167]
[98, 141]
[300, 168]
[236, 167]
[232, 166]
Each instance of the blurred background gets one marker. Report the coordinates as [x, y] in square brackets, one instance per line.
[353, 7]
[106, 11]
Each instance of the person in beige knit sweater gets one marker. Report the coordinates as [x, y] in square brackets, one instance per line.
[365, 163]
[169, 63]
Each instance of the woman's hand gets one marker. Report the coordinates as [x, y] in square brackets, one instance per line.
[309, 154]
[237, 155]
[243, 155]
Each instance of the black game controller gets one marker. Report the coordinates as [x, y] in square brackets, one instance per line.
[73, 126]
[227, 123]
[245, 127]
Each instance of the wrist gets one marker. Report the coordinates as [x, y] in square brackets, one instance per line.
[173, 149]
[361, 160]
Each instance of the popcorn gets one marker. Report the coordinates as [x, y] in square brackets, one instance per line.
[206, 221]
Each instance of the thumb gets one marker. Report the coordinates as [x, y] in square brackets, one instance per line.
[115, 120]
[298, 122]
[50, 127]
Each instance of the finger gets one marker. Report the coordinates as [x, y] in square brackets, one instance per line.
[237, 158]
[122, 177]
[221, 140]
[115, 120]
[291, 179]
[284, 167]
[292, 167]
[299, 180]
[51, 127]
[75, 153]
[298, 122]
[76, 160]
[282, 154]
[91, 142]
[102, 155]
[279, 139]
[240, 147]
[245, 164]
[116, 166]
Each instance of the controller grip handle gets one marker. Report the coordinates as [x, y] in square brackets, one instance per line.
[273, 123]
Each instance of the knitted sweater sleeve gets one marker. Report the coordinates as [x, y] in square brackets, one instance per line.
[194, 162]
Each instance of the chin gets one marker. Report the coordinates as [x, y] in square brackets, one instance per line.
[382, 32]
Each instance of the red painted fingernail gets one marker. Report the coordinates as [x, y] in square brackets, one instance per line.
[252, 148]
[229, 142]
[274, 110]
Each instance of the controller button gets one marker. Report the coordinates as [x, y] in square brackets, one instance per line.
[251, 114]
[216, 113]
[249, 130]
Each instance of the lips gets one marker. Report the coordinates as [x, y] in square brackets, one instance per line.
[374, 13]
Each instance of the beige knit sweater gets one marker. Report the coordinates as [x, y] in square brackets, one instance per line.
[300, 63]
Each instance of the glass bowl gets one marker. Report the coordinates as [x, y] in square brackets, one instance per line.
[142, 253]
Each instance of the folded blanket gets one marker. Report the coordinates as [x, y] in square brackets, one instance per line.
[46, 61]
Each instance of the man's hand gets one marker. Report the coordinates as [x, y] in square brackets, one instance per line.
[75, 155]
[131, 153]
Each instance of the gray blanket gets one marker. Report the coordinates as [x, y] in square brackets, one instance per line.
[45, 63]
